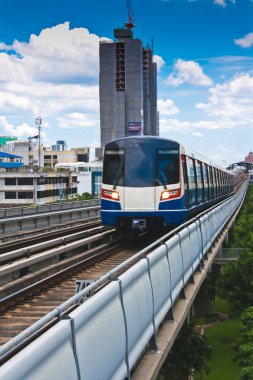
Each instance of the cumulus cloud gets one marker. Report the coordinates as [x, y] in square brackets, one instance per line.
[60, 54]
[22, 130]
[231, 100]
[223, 3]
[159, 61]
[76, 119]
[167, 107]
[246, 41]
[55, 72]
[188, 72]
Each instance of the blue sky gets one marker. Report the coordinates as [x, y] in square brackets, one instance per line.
[204, 50]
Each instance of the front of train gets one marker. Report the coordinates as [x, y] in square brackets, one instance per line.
[142, 183]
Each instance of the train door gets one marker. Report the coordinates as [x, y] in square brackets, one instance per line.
[139, 177]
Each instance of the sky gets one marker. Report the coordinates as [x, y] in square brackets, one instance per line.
[49, 65]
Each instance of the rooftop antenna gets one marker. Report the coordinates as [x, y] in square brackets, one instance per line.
[38, 121]
[130, 23]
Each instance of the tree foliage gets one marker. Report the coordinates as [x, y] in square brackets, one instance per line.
[84, 197]
[236, 282]
[244, 345]
[190, 352]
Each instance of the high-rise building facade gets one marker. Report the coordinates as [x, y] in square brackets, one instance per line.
[127, 88]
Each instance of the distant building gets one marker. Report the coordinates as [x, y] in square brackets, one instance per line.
[127, 88]
[53, 157]
[5, 139]
[89, 176]
[249, 158]
[36, 188]
[29, 150]
[10, 161]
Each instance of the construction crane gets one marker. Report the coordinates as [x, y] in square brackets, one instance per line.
[130, 23]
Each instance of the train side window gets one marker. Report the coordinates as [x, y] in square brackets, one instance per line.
[186, 183]
[214, 183]
[211, 182]
[217, 182]
[192, 181]
[204, 170]
[199, 181]
[113, 171]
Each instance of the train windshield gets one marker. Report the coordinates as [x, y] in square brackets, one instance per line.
[113, 173]
[167, 167]
[139, 168]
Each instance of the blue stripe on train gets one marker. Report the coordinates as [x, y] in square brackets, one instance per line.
[110, 205]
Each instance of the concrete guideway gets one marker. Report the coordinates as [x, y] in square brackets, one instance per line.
[152, 362]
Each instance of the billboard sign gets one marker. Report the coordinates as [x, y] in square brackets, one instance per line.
[134, 128]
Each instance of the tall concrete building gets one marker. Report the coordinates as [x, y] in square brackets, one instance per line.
[127, 88]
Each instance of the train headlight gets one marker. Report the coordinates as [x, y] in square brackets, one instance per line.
[165, 195]
[115, 195]
[110, 194]
[170, 194]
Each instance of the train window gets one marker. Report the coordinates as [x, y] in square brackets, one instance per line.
[199, 181]
[139, 167]
[192, 181]
[186, 183]
[113, 171]
[167, 167]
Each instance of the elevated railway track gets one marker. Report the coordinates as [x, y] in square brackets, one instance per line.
[36, 300]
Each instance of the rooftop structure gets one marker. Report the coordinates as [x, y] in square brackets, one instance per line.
[10, 161]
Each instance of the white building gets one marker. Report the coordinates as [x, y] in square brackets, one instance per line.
[89, 176]
[36, 188]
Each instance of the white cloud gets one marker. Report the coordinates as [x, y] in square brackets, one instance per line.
[167, 107]
[246, 41]
[231, 100]
[222, 3]
[159, 61]
[60, 54]
[55, 73]
[197, 134]
[22, 131]
[76, 119]
[181, 126]
[188, 72]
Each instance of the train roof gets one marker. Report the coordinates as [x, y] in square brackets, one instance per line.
[133, 141]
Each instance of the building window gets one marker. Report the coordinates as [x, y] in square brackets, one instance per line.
[25, 195]
[10, 195]
[25, 181]
[10, 181]
[120, 64]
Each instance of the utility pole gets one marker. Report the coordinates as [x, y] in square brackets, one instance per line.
[38, 122]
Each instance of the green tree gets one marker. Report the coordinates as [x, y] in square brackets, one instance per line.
[244, 345]
[190, 352]
[236, 282]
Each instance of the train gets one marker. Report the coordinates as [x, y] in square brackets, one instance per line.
[151, 182]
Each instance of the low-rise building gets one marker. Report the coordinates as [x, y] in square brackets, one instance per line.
[89, 176]
[10, 161]
[22, 188]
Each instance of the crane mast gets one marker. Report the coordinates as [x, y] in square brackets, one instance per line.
[130, 23]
